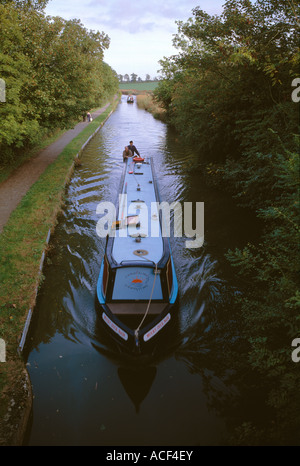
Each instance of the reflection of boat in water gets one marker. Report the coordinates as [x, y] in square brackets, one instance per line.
[137, 383]
[137, 285]
[130, 99]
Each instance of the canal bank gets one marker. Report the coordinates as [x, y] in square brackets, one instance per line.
[23, 245]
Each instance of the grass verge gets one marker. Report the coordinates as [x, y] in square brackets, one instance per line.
[138, 86]
[147, 103]
[22, 244]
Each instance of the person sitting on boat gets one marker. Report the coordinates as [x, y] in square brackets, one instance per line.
[133, 148]
[126, 153]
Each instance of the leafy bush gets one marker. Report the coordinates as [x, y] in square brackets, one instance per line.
[229, 92]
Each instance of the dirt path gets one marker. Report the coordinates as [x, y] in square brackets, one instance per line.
[16, 186]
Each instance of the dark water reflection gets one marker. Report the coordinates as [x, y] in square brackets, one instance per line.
[85, 391]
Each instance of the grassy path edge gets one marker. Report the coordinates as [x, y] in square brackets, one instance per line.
[23, 247]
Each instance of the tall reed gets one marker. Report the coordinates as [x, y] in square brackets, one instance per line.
[148, 103]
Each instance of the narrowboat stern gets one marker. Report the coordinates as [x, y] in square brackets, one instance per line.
[137, 287]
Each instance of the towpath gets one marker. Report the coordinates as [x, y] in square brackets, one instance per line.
[18, 183]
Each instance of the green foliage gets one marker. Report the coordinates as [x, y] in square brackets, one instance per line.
[26, 4]
[15, 68]
[53, 70]
[232, 67]
[139, 86]
[229, 91]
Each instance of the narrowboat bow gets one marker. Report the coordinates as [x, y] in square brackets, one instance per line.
[137, 286]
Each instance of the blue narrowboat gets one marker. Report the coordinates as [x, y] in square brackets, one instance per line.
[137, 287]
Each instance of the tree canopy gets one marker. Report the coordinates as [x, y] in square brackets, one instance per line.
[229, 91]
[53, 70]
[234, 65]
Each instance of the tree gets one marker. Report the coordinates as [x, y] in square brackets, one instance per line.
[26, 4]
[229, 91]
[240, 61]
[17, 128]
[53, 71]
[67, 67]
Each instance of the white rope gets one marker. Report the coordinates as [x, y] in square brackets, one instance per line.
[148, 306]
[138, 184]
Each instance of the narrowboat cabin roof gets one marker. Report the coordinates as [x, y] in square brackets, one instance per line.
[138, 235]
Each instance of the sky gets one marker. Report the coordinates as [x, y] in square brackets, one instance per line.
[140, 32]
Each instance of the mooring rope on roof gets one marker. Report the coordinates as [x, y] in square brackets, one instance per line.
[136, 332]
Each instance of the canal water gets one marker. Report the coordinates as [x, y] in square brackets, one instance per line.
[85, 391]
